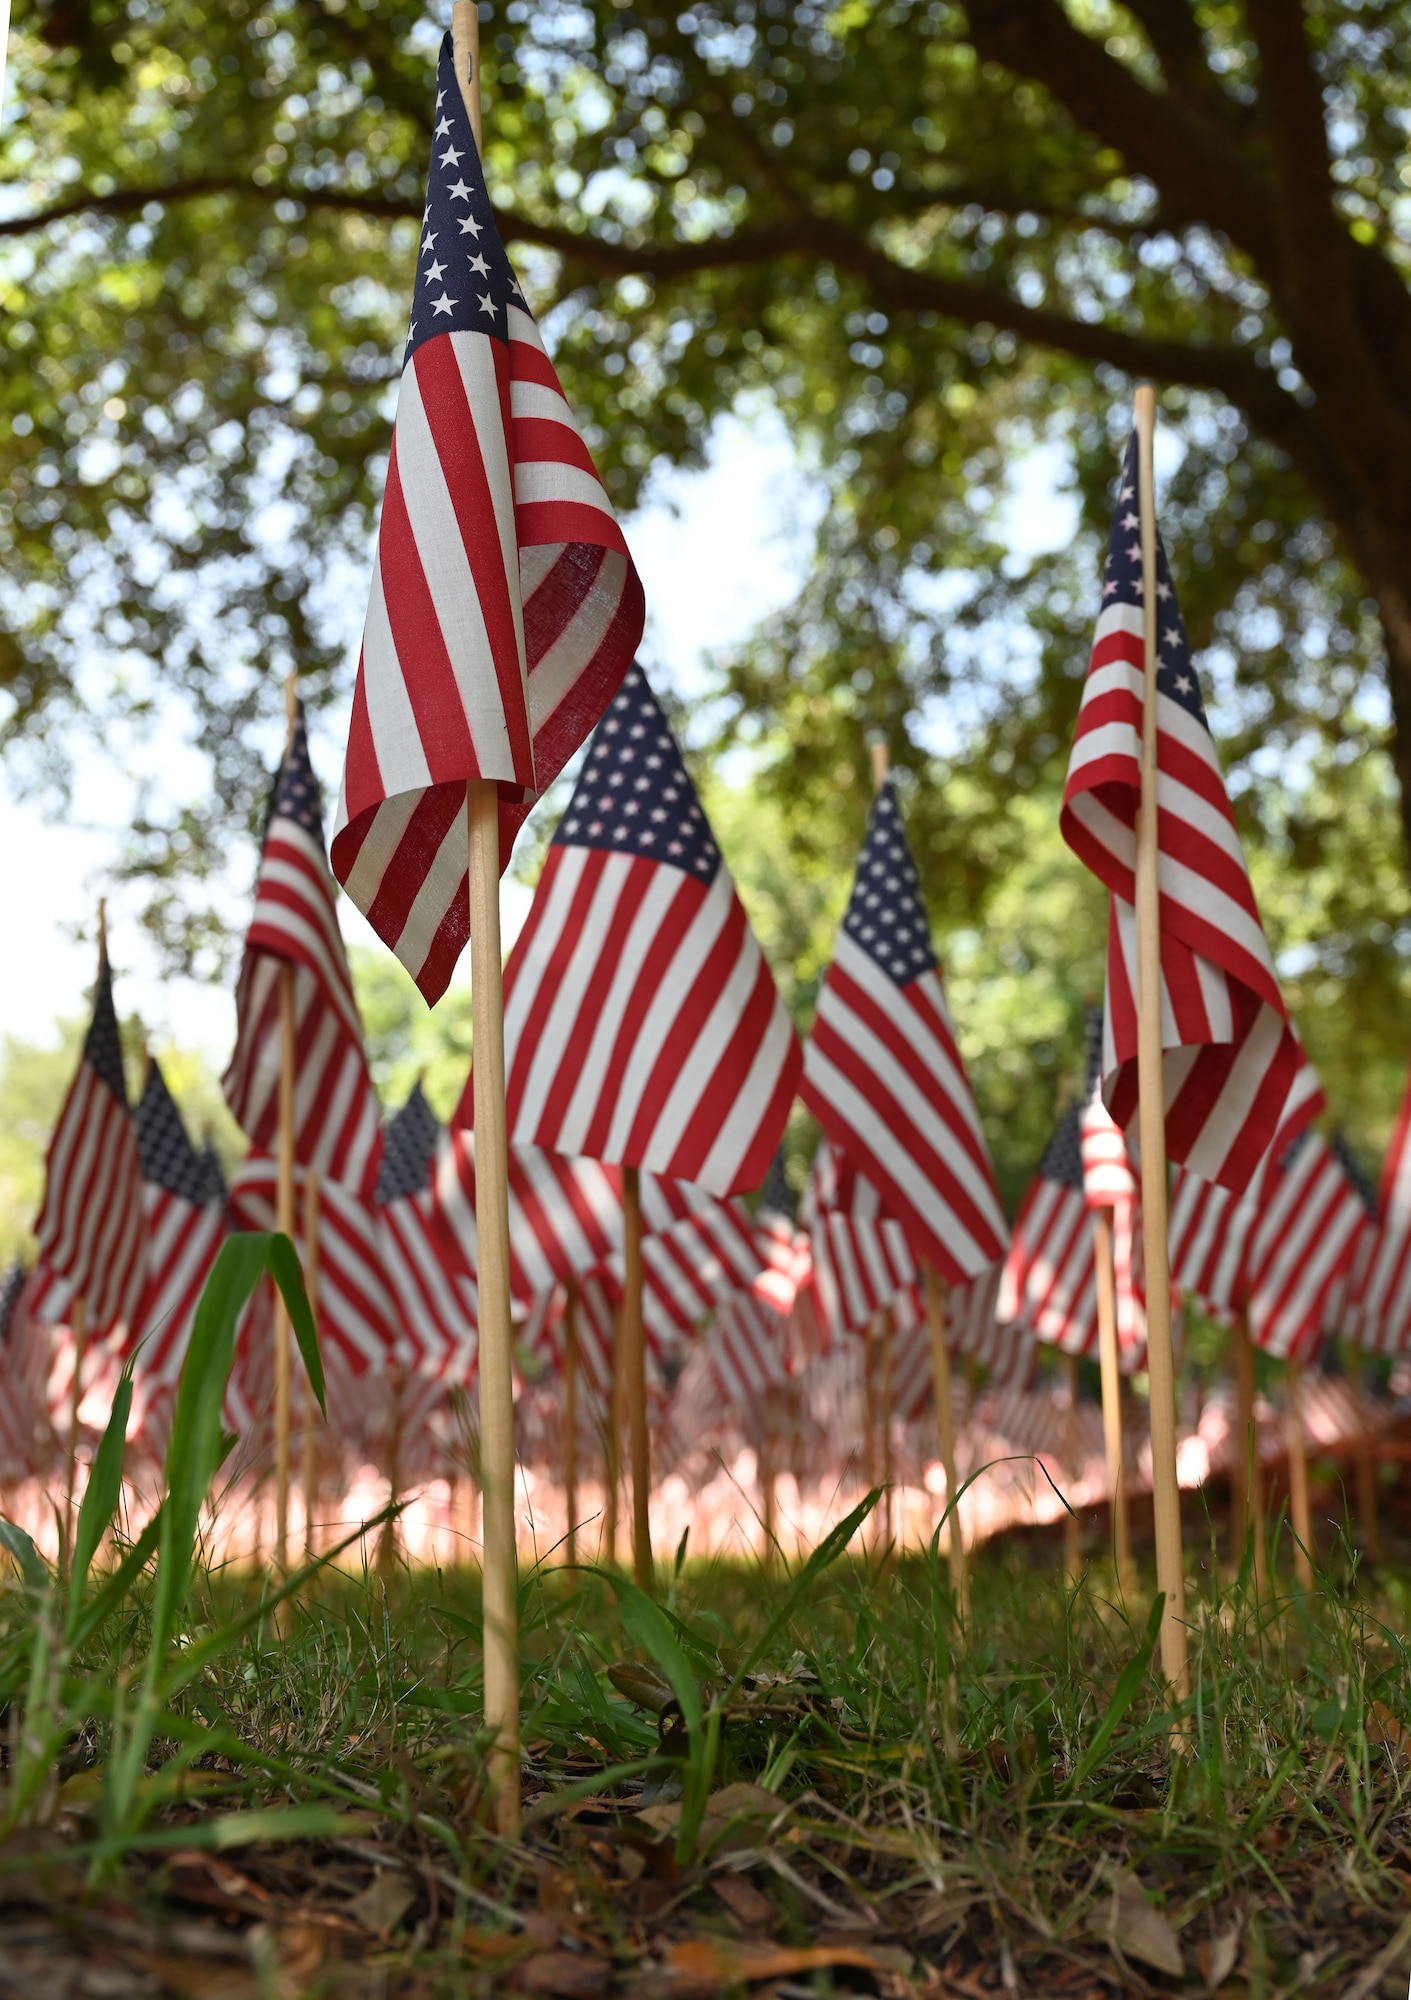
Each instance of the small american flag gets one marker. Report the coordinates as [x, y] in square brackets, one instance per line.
[746, 1352]
[184, 1197]
[435, 1293]
[1343, 1311]
[92, 1244]
[1231, 1057]
[785, 1252]
[642, 1025]
[354, 1308]
[861, 1258]
[505, 607]
[337, 1129]
[1050, 1273]
[565, 1215]
[882, 1072]
[1381, 1319]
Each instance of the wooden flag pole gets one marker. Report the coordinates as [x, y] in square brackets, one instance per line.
[635, 1378]
[1111, 1391]
[284, 1214]
[1247, 1485]
[1072, 1545]
[1161, 1365]
[570, 1416]
[308, 1470]
[1300, 1518]
[501, 1568]
[945, 1432]
[612, 1444]
[387, 1544]
[869, 1403]
[886, 1338]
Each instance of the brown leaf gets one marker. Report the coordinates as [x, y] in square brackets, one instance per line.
[744, 1902]
[1140, 1930]
[732, 1808]
[721, 1963]
[1383, 1728]
[196, 1877]
[1216, 1957]
[572, 1974]
[642, 1684]
[381, 1906]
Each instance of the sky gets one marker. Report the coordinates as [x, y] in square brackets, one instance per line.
[718, 549]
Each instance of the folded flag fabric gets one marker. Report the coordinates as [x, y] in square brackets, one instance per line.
[882, 1072]
[434, 1290]
[1109, 1171]
[92, 1241]
[642, 1024]
[337, 1123]
[1381, 1304]
[1342, 1314]
[504, 607]
[1230, 1055]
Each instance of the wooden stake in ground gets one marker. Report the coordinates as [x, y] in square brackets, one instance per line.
[387, 1545]
[1161, 1365]
[634, 1376]
[1246, 1481]
[1300, 1519]
[1111, 1391]
[885, 1338]
[869, 1404]
[284, 1216]
[492, 1225]
[308, 1471]
[570, 1416]
[612, 1446]
[934, 1289]
[1072, 1545]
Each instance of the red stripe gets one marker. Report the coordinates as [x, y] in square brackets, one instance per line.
[692, 1010]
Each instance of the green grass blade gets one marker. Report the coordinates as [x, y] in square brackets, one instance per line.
[647, 1626]
[1123, 1695]
[100, 1501]
[30, 1563]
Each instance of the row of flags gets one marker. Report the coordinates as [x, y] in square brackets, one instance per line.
[643, 1029]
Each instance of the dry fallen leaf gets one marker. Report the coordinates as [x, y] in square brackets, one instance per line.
[744, 1901]
[1216, 1957]
[571, 1975]
[1384, 1728]
[1139, 1929]
[731, 1806]
[381, 1906]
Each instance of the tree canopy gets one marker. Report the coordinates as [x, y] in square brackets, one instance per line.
[928, 236]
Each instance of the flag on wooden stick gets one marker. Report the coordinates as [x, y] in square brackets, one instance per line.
[505, 607]
[92, 1244]
[434, 1289]
[337, 1127]
[882, 1072]
[1231, 1059]
[184, 1202]
[642, 1024]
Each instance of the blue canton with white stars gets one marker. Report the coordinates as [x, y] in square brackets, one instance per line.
[11, 1285]
[1363, 1188]
[407, 1147]
[886, 916]
[464, 280]
[296, 795]
[1122, 584]
[169, 1160]
[102, 1050]
[634, 795]
[1092, 1050]
[1063, 1156]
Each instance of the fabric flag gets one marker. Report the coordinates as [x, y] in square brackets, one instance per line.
[565, 1215]
[1230, 1054]
[1343, 1314]
[505, 608]
[1382, 1303]
[337, 1129]
[642, 1025]
[745, 1350]
[1050, 1273]
[92, 1244]
[784, 1250]
[354, 1308]
[184, 1200]
[434, 1290]
[861, 1258]
[1110, 1177]
[882, 1072]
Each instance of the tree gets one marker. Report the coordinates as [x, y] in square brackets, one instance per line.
[927, 236]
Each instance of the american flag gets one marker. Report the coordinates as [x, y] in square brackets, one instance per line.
[92, 1244]
[505, 607]
[745, 1348]
[565, 1215]
[1050, 1273]
[642, 1025]
[882, 1072]
[1381, 1314]
[1277, 1252]
[1231, 1056]
[861, 1258]
[785, 1252]
[1343, 1311]
[354, 1307]
[337, 1130]
[434, 1290]
[184, 1198]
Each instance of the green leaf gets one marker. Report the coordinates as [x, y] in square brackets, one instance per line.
[284, 1266]
[647, 1626]
[1123, 1695]
[100, 1501]
[30, 1562]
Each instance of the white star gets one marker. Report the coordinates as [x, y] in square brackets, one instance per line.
[450, 158]
[1183, 684]
[1171, 636]
[1128, 491]
[1130, 521]
[443, 304]
[460, 192]
[434, 270]
[1109, 589]
[427, 241]
[469, 225]
[479, 266]
[444, 127]
[1163, 590]
[487, 305]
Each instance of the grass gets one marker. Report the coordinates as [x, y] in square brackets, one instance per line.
[811, 1783]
